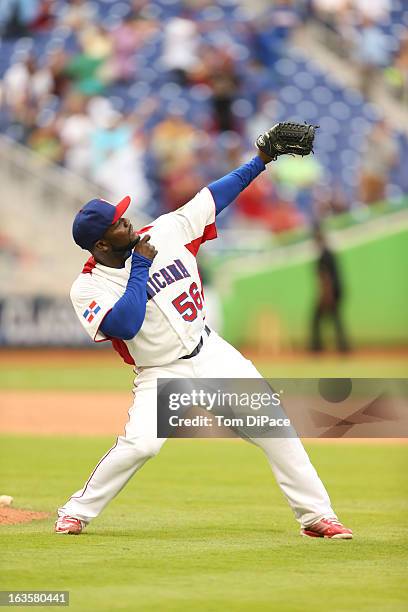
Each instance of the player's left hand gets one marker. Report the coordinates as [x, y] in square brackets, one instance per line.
[287, 137]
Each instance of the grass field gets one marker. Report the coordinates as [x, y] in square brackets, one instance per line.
[204, 526]
[104, 370]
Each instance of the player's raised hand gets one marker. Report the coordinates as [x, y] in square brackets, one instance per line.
[144, 248]
[287, 137]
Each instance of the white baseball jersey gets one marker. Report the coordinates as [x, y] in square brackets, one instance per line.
[175, 310]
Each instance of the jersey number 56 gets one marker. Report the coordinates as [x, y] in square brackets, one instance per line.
[188, 304]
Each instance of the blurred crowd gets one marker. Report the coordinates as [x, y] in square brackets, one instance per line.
[159, 107]
[366, 34]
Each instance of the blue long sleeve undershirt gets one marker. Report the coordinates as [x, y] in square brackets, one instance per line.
[127, 315]
[227, 188]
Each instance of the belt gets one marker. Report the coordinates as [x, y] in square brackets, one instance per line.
[199, 345]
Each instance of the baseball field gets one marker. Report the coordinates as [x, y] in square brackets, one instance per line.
[203, 526]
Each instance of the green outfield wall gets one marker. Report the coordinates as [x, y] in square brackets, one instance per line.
[375, 275]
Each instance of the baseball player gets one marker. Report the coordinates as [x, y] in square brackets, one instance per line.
[147, 301]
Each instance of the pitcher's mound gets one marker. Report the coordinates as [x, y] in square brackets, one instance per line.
[15, 516]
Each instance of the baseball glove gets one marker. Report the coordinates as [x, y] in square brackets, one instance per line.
[287, 137]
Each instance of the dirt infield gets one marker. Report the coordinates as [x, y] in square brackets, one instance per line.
[90, 413]
[48, 412]
[14, 516]
[60, 412]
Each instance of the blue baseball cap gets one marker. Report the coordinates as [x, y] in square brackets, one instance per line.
[92, 221]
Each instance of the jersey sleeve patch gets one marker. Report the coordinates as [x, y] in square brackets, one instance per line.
[91, 304]
[91, 311]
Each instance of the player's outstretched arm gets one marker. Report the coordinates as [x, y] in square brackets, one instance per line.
[127, 315]
[282, 138]
[226, 189]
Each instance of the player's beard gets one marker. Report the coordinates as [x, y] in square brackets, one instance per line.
[126, 250]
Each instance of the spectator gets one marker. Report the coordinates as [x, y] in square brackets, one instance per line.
[325, 8]
[75, 130]
[180, 48]
[217, 70]
[374, 10]
[77, 14]
[139, 8]
[111, 134]
[173, 145]
[123, 172]
[45, 17]
[180, 183]
[46, 142]
[397, 74]
[56, 65]
[378, 158]
[224, 85]
[354, 30]
[273, 28]
[16, 16]
[25, 90]
[86, 68]
[126, 40]
[172, 140]
[260, 206]
[371, 53]
[16, 84]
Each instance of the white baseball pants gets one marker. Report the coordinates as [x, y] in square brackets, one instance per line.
[290, 464]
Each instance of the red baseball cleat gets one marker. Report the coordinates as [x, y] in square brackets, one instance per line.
[328, 528]
[68, 524]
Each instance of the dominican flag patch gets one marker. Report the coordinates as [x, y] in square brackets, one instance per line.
[91, 311]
